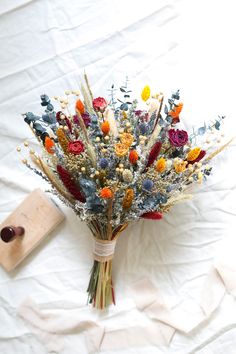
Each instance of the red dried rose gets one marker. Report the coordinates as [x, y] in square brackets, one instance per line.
[178, 137]
[99, 104]
[75, 147]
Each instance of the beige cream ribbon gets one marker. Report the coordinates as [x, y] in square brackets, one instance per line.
[149, 300]
[51, 327]
[103, 250]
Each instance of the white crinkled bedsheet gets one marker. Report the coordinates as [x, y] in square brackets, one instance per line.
[45, 46]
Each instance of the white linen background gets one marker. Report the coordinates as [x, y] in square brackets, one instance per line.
[45, 46]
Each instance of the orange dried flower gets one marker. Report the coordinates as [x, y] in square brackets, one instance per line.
[176, 111]
[161, 165]
[105, 127]
[193, 154]
[49, 145]
[127, 138]
[80, 106]
[180, 166]
[133, 156]
[106, 193]
[121, 149]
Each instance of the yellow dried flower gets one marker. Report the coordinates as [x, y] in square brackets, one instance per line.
[124, 114]
[161, 165]
[127, 139]
[180, 166]
[193, 154]
[121, 149]
[128, 198]
[146, 93]
[62, 139]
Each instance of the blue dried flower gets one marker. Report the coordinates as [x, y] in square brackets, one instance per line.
[103, 163]
[142, 128]
[147, 184]
[168, 189]
[94, 119]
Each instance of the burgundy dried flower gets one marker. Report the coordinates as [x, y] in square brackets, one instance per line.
[86, 118]
[178, 137]
[138, 112]
[152, 215]
[155, 150]
[70, 184]
[76, 119]
[68, 123]
[58, 116]
[64, 121]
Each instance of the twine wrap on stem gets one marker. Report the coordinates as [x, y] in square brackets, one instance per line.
[103, 250]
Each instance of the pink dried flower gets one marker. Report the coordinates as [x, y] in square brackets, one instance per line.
[99, 104]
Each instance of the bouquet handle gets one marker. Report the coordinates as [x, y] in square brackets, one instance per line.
[100, 289]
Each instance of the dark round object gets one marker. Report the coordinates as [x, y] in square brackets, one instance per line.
[8, 233]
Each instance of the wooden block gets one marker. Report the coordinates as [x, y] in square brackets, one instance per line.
[39, 216]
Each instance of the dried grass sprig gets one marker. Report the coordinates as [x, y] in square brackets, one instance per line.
[90, 149]
[88, 85]
[87, 99]
[216, 152]
[176, 198]
[82, 125]
[55, 181]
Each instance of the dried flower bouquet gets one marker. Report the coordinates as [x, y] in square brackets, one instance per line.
[114, 163]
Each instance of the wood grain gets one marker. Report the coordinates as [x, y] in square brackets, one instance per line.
[39, 216]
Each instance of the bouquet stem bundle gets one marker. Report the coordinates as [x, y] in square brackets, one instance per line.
[100, 289]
